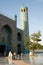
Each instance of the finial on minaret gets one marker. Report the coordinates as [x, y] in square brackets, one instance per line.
[15, 18]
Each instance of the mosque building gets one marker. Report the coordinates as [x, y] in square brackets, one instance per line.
[11, 37]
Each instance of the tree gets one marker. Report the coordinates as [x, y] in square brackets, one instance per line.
[30, 42]
[36, 46]
[35, 37]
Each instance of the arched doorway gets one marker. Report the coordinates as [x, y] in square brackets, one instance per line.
[19, 49]
[6, 38]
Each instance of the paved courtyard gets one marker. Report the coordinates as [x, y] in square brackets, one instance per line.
[25, 60]
[8, 61]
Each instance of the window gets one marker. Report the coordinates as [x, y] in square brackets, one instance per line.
[24, 10]
[21, 10]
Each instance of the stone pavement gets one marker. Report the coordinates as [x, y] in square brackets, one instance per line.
[17, 62]
[20, 62]
[9, 61]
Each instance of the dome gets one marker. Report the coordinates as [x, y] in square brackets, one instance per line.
[23, 7]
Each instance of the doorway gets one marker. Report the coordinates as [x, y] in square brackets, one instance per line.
[19, 49]
[2, 49]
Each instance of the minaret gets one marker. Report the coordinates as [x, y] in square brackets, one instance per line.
[24, 20]
[15, 18]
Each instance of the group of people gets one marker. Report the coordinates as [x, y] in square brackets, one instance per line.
[15, 56]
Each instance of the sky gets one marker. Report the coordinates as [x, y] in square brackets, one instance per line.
[10, 8]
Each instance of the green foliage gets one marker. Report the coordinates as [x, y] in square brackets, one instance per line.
[36, 37]
[32, 42]
[36, 46]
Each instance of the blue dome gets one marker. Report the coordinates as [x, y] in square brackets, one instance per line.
[23, 7]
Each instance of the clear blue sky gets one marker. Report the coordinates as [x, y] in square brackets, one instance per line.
[35, 12]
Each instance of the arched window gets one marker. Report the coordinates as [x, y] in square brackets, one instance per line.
[19, 36]
[21, 10]
[24, 10]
